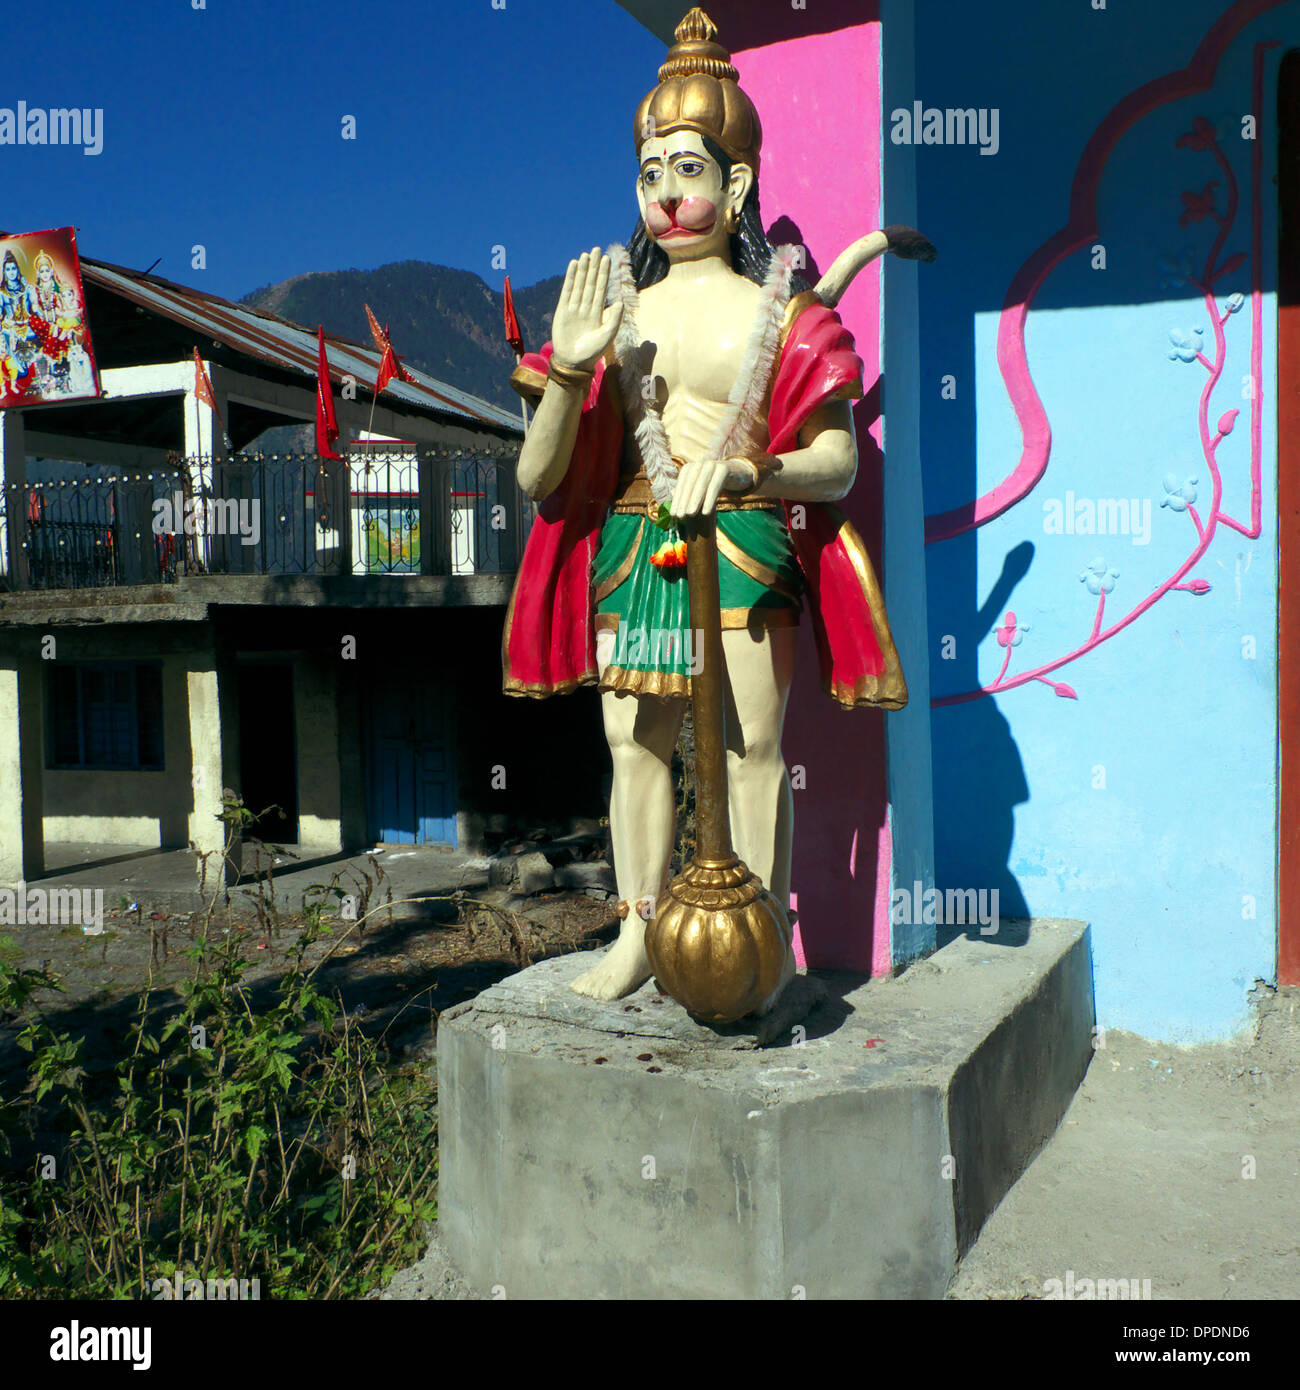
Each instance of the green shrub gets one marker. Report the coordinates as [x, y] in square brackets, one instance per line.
[223, 1142]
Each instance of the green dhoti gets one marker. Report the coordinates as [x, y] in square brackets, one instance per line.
[643, 611]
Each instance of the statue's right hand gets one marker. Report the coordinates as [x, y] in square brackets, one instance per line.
[584, 324]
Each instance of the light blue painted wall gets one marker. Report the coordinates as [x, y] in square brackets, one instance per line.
[1167, 857]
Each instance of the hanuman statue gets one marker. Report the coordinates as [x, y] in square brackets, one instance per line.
[691, 373]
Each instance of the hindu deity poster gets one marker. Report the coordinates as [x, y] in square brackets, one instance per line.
[45, 348]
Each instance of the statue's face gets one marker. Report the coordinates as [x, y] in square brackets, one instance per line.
[684, 200]
[11, 274]
[45, 274]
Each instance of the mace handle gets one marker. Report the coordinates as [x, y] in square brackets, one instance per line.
[712, 819]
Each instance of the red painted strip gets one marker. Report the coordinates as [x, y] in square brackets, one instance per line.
[1288, 520]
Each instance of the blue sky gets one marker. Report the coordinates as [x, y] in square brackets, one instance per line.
[476, 127]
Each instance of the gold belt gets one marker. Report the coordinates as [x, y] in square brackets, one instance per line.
[633, 494]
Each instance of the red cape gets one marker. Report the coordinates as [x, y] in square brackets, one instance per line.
[549, 644]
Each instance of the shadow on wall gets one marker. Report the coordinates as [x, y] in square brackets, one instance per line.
[984, 771]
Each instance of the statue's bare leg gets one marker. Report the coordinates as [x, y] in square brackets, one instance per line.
[759, 673]
[642, 733]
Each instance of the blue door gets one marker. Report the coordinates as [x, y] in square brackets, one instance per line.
[411, 767]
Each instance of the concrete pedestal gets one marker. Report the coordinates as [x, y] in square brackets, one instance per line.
[621, 1151]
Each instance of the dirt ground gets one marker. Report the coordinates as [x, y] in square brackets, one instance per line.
[1150, 1174]
[400, 975]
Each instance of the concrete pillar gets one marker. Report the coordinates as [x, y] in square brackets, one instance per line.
[22, 768]
[204, 445]
[174, 810]
[203, 434]
[353, 827]
[213, 701]
[13, 492]
[316, 726]
[911, 788]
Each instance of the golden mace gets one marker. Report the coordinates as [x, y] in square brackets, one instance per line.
[717, 943]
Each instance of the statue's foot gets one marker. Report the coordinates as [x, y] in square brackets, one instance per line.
[622, 969]
[787, 974]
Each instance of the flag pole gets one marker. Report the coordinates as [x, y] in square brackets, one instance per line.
[192, 543]
[515, 338]
[390, 364]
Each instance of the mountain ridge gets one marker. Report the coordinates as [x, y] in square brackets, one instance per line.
[442, 320]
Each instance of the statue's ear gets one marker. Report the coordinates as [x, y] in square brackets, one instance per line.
[640, 196]
[740, 184]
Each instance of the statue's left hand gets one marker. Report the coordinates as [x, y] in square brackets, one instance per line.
[699, 485]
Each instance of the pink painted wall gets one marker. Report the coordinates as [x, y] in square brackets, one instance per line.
[818, 96]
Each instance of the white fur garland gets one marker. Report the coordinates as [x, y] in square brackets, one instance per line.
[734, 431]
[647, 425]
[747, 394]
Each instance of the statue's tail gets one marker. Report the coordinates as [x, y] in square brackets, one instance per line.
[905, 242]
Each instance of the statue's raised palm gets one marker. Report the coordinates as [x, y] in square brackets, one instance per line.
[584, 325]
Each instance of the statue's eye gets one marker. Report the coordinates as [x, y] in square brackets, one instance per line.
[690, 168]
[650, 177]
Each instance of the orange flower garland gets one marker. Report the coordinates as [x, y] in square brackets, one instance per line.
[671, 555]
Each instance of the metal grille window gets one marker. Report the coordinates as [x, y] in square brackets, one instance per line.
[105, 714]
[390, 508]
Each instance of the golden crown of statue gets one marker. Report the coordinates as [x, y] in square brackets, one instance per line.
[698, 91]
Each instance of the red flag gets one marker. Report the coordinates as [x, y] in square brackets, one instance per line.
[203, 392]
[327, 427]
[202, 386]
[514, 335]
[390, 365]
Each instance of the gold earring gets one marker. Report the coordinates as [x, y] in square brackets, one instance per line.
[733, 219]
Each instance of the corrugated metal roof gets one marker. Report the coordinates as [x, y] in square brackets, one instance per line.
[290, 346]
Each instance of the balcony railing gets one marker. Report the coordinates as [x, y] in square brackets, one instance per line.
[416, 511]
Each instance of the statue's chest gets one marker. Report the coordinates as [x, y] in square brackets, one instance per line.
[695, 343]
